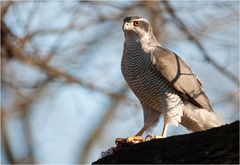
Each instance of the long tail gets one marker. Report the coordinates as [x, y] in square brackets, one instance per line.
[198, 119]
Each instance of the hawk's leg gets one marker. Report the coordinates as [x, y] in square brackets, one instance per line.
[164, 131]
[141, 131]
[151, 117]
[163, 135]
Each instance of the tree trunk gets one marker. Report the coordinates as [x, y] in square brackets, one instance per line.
[217, 145]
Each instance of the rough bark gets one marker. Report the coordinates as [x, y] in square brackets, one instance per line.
[217, 145]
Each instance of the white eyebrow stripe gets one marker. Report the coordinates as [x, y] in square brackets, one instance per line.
[141, 19]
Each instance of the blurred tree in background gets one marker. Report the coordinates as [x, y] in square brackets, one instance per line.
[63, 98]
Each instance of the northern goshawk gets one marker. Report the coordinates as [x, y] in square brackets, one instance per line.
[163, 82]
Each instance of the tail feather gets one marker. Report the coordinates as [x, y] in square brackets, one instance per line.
[198, 119]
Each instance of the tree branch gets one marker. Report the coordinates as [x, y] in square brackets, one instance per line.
[116, 100]
[215, 146]
[5, 139]
[181, 25]
[14, 51]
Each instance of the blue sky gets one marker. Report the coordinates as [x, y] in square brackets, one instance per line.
[65, 115]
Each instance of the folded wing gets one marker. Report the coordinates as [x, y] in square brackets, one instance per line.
[180, 76]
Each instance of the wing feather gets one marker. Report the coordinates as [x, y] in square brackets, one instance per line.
[176, 71]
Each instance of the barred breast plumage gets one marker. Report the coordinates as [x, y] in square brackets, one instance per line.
[151, 89]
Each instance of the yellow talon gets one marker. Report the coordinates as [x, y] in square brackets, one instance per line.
[134, 139]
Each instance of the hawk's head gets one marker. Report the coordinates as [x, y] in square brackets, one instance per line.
[136, 28]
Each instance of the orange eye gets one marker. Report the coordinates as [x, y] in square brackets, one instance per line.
[136, 23]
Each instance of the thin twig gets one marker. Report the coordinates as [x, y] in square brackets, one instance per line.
[5, 139]
[181, 25]
[43, 65]
[4, 7]
[96, 134]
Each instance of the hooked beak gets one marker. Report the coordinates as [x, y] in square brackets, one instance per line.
[126, 26]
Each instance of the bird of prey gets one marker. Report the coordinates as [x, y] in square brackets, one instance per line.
[163, 82]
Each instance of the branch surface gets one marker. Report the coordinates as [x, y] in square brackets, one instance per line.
[217, 145]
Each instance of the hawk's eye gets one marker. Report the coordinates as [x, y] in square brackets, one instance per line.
[136, 23]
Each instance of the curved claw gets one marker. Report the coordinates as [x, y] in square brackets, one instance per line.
[152, 137]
